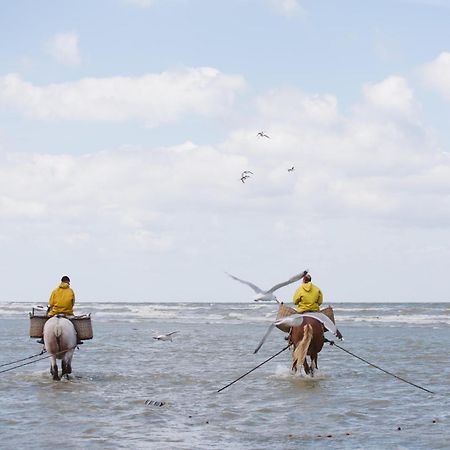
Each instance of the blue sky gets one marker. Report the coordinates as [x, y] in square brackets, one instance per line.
[125, 126]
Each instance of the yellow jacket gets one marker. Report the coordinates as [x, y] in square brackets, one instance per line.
[62, 300]
[308, 297]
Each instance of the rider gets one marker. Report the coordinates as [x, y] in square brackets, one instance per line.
[61, 301]
[308, 296]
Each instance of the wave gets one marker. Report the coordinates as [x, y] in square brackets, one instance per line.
[423, 314]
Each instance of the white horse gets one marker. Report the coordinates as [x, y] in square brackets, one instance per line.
[60, 340]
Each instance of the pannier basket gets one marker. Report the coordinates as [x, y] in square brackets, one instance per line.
[285, 311]
[83, 327]
[37, 325]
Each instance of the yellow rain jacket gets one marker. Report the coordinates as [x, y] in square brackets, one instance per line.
[308, 297]
[62, 300]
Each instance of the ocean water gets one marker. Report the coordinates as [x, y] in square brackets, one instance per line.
[107, 404]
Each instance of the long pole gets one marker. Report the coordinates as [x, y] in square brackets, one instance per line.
[254, 368]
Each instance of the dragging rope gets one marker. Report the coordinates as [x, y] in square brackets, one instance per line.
[31, 362]
[379, 368]
[23, 359]
[254, 368]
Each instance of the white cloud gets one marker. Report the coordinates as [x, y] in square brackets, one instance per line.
[346, 166]
[437, 74]
[287, 7]
[391, 95]
[63, 47]
[293, 106]
[153, 98]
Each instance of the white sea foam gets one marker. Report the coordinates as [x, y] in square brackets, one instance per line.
[417, 319]
[412, 314]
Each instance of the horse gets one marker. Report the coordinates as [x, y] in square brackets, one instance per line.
[60, 340]
[307, 339]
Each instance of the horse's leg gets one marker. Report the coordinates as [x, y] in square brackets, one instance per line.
[66, 366]
[306, 367]
[63, 367]
[54, 368]
[313, 363]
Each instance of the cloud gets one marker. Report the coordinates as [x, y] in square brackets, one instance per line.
[287, 8]
[391, 95]
[63, 47]
[373, 164]
[152, 98]
[352, 165]
[294, 106]
[436, 74]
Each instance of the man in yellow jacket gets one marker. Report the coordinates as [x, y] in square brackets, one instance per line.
[62, 299]
[308, 297]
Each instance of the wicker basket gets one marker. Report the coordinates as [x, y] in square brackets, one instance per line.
[37, 325]
[285, 311]
[328, 311]
[83, 327]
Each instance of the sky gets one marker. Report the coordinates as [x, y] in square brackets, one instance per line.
[125, 126]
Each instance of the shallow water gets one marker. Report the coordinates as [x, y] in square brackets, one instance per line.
[348, 405]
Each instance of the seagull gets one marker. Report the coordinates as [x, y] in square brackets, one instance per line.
[165, 337]
[291, 169]
[295, 320]
[262, 134]
[246, 172]
[267, 296]
[244, 177]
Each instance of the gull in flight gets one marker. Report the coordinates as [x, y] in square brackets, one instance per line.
[165, 337]
[295, 320]
[262, 134]
[267, 296]
[245, 174]
[291, 169]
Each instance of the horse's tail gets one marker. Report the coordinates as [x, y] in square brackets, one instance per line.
[301, 350]
[58, 331]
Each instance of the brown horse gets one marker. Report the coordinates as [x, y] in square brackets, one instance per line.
[307, 339]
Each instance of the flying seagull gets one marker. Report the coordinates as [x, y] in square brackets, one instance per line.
[267, 296]
[165, 337]
[246, 172]
[295, 320]
[291, 169]
[244, 177]
[262, 134]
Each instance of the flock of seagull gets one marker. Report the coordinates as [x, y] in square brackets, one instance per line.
[261, 294]
[246, 173]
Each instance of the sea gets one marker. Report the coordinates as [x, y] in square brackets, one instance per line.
[385, 386]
